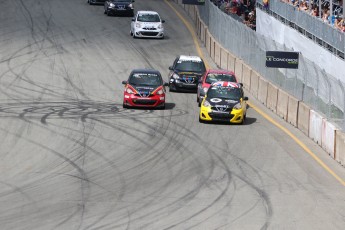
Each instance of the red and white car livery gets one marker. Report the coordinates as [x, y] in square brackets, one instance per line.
[211, 76]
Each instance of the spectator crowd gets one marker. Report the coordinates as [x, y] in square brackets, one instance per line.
[336, 19]
[244, 10]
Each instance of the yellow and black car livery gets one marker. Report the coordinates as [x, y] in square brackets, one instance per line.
[224, 101]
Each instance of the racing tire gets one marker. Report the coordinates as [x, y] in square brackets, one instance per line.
[199, 104]
[131, 33]
[124, 106]
[108, 13]
[200, 120]
[88, 1]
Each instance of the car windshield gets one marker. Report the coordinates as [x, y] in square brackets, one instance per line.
[190, 66]
[213, 77]
[224, 92]
[148, 18]
[122, 1]
[149, 79]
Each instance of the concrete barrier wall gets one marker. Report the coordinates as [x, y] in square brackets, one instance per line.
[217, 53]
[223, 58]
[303, 118]
[231, 63]
[328, 137]
[315, 126]
[254, 83]
[282, 104]
[238, 69]
[246, 73]
[272, 97]
[208, 42]
[292, 110]
[212, 47]
[262, 91]
[340, 147]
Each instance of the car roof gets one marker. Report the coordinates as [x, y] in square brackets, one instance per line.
[189, 58]
[142, 70]
[220, 71]
[226, 84]
[147, 12]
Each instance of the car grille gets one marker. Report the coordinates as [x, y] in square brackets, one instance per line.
[144, 102]
[188, 80]
[149, 33]
[146, 28]
[221, 109]
[221, 116]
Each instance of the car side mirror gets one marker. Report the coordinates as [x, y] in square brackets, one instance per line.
[133, 19]
[241, 84]
[124, 82]
[245, 98]
[165, 84]
[163, 21]
[170, 68]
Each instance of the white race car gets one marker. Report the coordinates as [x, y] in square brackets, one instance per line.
[147, 24]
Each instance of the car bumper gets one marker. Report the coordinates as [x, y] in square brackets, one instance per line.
[131, 100]
[141, 33]
[236, 115]
[180, 86]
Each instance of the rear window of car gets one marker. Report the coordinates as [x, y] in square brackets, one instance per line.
[214, 77]
[150, 79]
[148, 18]
[190, 66]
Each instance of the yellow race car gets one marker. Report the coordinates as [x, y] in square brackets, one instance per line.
[224, 101]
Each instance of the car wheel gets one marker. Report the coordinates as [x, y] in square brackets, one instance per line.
[131, 33]
[88, 1]
[201, 121]
[105, 11]
[197, 99]
[124, 106]
[199, 104]
[108, 13]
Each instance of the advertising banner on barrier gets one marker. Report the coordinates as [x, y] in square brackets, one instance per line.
[193, 2]
[282, 59]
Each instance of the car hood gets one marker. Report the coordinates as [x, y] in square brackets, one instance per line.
[220, 102]
[189, 74]
[145, 91]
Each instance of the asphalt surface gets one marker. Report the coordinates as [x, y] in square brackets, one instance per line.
[72, 158]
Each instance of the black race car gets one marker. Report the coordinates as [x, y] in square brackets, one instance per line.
[119, 7]
[185, 73]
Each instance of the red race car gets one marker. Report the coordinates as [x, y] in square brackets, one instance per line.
[211, 76]
[144, 88]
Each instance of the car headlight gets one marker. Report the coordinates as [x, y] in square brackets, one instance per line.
[160, 92]
[130, 6]
[176, 76]
[160, 26]
[206, 104]
[128, 90]
[137, 25]
[112, 5]
[238, 106]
